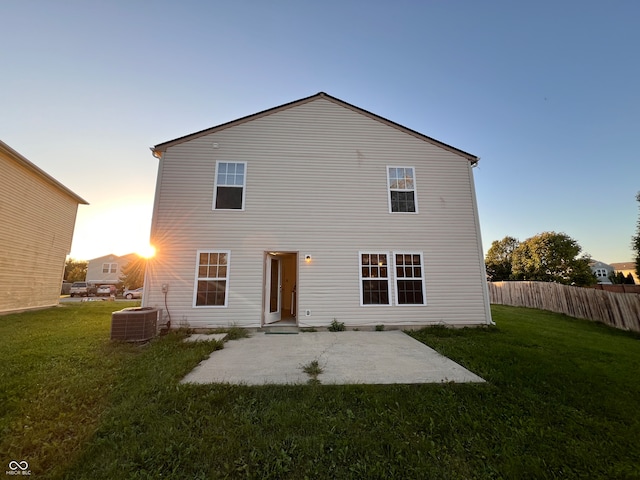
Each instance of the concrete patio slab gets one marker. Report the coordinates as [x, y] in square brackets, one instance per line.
[345, 357]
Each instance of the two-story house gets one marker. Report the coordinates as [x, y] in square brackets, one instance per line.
[627, 268]
[313, 211]
[602, 271]
[107, 270]
[38, 216]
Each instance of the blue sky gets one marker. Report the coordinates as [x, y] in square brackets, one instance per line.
[546, 93]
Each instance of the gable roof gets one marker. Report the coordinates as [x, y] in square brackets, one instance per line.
[162, 147]
[113, 257]
[599, 264]
[19, 159]
[624, 265]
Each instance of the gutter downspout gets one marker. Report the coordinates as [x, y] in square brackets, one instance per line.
[483, 270]
[147, 275]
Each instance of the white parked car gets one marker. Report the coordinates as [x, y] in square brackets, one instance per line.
[105, 290]
[131, 294]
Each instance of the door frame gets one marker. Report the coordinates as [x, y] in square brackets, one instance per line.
[269, 256]
[273, 313]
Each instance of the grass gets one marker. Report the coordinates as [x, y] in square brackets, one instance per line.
[561, 401]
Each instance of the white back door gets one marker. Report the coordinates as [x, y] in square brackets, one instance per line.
[273, 289]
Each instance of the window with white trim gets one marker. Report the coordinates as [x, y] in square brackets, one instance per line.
[374, 279]
[230, 185]
[409, 282]
[402, 190]
[109, 268]
[212, 278]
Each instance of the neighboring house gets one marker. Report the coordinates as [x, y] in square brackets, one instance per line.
[627, 268]
[313, 211]
[107, 270]
[38, 217]
[602, 271]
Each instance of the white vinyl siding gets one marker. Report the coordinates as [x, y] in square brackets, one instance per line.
[212, 278]
[320, 188]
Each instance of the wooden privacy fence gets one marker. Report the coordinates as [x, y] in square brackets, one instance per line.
[620, 310]
[618, 288]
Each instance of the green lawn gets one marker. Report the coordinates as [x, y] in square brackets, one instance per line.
[562, 401]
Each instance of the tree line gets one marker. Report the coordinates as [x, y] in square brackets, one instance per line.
[546, 257]
[618, 278]
[549, 257]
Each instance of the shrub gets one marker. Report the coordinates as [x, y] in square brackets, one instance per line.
[336, 326]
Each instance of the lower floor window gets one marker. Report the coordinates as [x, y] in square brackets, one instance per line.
[410, 292]
[374, 279]
[409, 279]
[212, 274]
[211, 292]
[375, 292]
[379, 269]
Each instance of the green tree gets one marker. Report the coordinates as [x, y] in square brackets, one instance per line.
[635, 244]
[133, 273]
[629, 279]
[617, 278]
[75, 270]
[499, 258]
[552, 257]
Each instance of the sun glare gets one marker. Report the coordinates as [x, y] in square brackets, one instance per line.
[147, 252]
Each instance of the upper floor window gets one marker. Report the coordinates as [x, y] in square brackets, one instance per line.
[230, 185]
[402, 189]
[109, 268]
